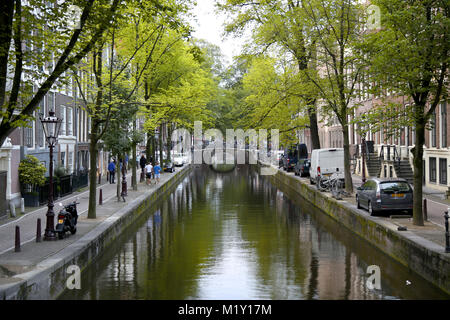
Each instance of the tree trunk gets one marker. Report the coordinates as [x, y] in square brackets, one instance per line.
[347, 171]
[418, 171]
[118, 184]
[313, 127]
[92, 209]
[6, 20]
[133, 161]
[148, 146]
[169, 141]
[161, 159]
[154, 148]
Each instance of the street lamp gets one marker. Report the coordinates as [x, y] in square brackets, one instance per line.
[51, 125]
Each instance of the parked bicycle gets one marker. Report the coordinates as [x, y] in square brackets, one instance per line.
[333, 184]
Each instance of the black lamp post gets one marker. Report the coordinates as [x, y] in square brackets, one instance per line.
[51, 125]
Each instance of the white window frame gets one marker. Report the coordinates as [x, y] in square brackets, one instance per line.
[62, 131]
[69, 115]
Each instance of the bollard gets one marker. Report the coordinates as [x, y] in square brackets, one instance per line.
[99, 178]
[12, 209]
[22, 206]
[38, 230]
[100, 198]
[425, 210]
[17, 246]
[447, 234]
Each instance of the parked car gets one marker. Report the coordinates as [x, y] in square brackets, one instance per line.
[325, 162]
[186, 158]
[385, 194]
[302, 167]
[278, 156]
[168, 166]
[289, 159]
[177, 159]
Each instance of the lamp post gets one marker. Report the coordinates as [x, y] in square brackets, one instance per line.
[51, 126]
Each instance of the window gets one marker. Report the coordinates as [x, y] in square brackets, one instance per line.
[69, 121]
[432, 169]
[28, 134]
[50, 101]
[62, 131]
[433, 129]
[443, 171]
[63, 159]
[40, 131]
[443, 124]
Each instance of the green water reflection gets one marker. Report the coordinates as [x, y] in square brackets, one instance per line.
[237, 236]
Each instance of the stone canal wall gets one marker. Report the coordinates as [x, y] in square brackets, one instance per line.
[48, 279]
[418, 254]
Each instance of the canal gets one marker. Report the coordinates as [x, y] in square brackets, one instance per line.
[237, 235]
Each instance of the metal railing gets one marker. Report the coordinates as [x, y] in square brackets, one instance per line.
[80, 180]
[65, 185]
[392, 153]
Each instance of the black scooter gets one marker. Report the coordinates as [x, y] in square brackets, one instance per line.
[67, 220]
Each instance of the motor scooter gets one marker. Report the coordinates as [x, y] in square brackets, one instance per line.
[67, 219]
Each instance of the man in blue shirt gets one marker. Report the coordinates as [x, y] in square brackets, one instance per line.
[157, 171]
[111, 169]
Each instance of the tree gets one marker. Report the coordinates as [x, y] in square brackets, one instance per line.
[273, 101]
[21, 69]
[335, 26]
[32, 171]
[279, 24]
[409, 54]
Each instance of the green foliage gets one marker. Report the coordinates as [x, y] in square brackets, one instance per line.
[31, 171]
[273, 101]
[60, 171]
[39, 44]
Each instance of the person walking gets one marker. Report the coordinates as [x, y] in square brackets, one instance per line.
[148, 173]
[112, 170]
[157, 171]
[142, 163]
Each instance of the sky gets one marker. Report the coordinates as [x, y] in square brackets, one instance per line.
[209, 26]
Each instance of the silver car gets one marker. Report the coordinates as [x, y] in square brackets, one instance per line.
[390, 194]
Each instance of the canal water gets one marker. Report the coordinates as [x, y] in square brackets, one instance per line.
[237, 235]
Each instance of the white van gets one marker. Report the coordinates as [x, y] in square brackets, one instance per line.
[325, 162]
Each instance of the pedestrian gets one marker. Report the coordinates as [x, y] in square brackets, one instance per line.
[157, 171]
[112, 170]
[148, 173]
[142, 164]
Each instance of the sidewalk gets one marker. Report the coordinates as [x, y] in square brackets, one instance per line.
[28, 221]
[436, 202]
[32, 253]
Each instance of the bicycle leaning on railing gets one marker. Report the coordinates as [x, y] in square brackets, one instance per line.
[333, 184]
